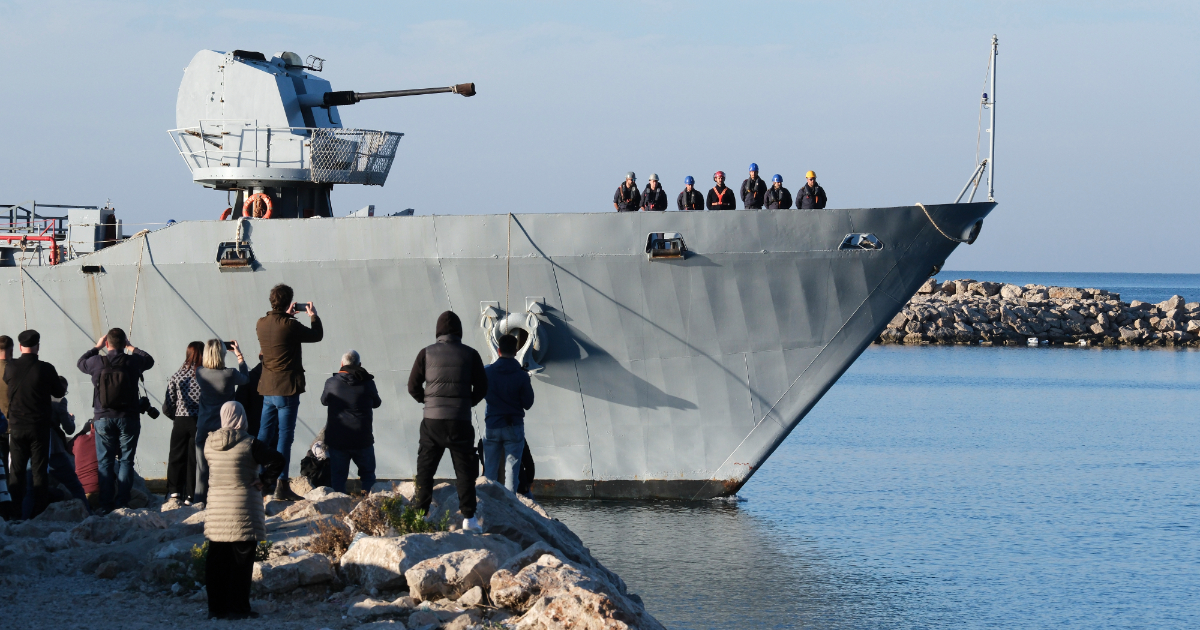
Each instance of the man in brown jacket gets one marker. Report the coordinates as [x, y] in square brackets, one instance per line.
[282, 381]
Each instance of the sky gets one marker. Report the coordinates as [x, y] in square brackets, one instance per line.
[1095, 137]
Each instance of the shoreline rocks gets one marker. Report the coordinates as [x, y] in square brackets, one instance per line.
[989, 313]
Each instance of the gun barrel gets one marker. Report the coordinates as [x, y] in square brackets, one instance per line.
[333, 99]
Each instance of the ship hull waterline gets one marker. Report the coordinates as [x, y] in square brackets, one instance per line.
[665, 378]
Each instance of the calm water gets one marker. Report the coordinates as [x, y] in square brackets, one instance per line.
[945, 487]
[1147, 287]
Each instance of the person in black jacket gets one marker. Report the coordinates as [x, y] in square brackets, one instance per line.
[754, 189]
[654, 197]
[690, 198]
[627, 198]
[119, 425]
[31, 385]
[351, 397]
[448, 378]
[720, 197]
[811, 196]
[251, 400]
[509, 395]
[778, 197]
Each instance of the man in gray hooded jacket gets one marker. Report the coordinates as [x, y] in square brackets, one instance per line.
[449, 379]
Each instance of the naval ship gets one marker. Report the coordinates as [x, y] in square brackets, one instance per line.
[671, 352]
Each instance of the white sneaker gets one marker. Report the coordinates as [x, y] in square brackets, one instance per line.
[471, 525]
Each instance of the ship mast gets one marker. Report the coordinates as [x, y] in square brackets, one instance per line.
[988, 102]
[992, 126]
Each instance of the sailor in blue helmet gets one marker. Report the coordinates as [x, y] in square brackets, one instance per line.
[654, 197]
[627, 197]
[754, 190]
[778, 197]
[690, 198]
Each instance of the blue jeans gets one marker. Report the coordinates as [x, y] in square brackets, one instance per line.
[278, 426]
[116, 444]
[339, 467]
[507, 444]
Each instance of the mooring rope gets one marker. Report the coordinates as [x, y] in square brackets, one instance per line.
[935, 225]
[21, 271]
[508, 267]
[137, 282]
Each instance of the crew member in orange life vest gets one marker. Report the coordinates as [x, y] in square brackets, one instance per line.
[721, 197]
[627, 198]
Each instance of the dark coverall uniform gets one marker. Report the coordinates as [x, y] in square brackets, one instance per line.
[31, 384]
[721, 199]
[779, 198]
[654, 199]
[753, 193]
[690, 200]
[448, 378]
[627, 198]
[811, 197]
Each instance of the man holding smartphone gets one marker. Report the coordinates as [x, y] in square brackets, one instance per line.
[279, 338]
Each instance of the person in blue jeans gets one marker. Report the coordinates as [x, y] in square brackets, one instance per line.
[279, 339]
[351, 397]
[509, 395]
[118, 422]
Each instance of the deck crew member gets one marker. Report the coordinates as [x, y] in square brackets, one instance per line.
[754, 189]
[448, 378]
[654, 197]
[690, 198]
[720, 197]
[811, 195]
[627, 198]
[31, 385]
[778, 197]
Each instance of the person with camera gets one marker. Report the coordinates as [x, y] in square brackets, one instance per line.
[218, 385]
[182, 405]
[32, 384]
[279, 338]
[118, 409]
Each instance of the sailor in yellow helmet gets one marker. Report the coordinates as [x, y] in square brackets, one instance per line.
[811, 195]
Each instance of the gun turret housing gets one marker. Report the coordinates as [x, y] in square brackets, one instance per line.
[251, 124]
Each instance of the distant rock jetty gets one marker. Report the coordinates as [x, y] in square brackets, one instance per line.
[991, 313]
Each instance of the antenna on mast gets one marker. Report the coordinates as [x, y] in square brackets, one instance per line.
[988, 102]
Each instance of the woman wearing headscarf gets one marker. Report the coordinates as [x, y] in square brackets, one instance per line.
[218, 385]
[235, 522]
[182, 404]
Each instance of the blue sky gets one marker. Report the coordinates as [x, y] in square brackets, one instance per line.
[1096, 142]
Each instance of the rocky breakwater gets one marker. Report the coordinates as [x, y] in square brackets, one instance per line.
[990, 313]
[339, 562]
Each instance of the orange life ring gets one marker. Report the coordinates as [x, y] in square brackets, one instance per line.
[225, 214]
[250, 200]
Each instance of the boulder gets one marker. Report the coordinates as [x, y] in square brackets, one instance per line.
[473, 597]
[451, 575]
[376, 562]
[73, 511]
[371, 609]
[1011, 291]
[299, 510]
[424, 619]
[1163, 324]
[1128, 335]
[1096, 329]
[326, 501]
[930, 286]
[283, 574]
[898, 321]
[108, 570]
[1193, 326]
[163, 572]
[550, 591]
[1171, 303]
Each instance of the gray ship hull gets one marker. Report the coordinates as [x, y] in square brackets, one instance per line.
[671, 378]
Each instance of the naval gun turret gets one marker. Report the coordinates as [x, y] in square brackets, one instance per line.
[270, 130]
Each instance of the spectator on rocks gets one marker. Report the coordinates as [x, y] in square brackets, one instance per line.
[32, 384]
[62, 464]
[182, 405]
[251, 400]
[235, 522]
[279, 338]
[117, 420]
[449, 379]
[217, 384]
[351, 397]
[6, 348]
[83, 445]
[509, 395]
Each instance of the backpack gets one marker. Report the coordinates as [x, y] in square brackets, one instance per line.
[116, 389]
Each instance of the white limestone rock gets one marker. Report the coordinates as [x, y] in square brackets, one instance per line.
[451, 575]
[376, 562]
[284, 574]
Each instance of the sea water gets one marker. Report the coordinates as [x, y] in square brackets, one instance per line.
[945, 487]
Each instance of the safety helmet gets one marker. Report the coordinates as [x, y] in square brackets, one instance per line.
[720, 174]
[653, 177]
[631, 175]
[689, 180]
[753, 167]
[777, 178]
[810, 174]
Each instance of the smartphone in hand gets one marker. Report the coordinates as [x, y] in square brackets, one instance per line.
[229, 345]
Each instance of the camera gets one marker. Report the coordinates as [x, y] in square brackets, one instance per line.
[145, 407]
